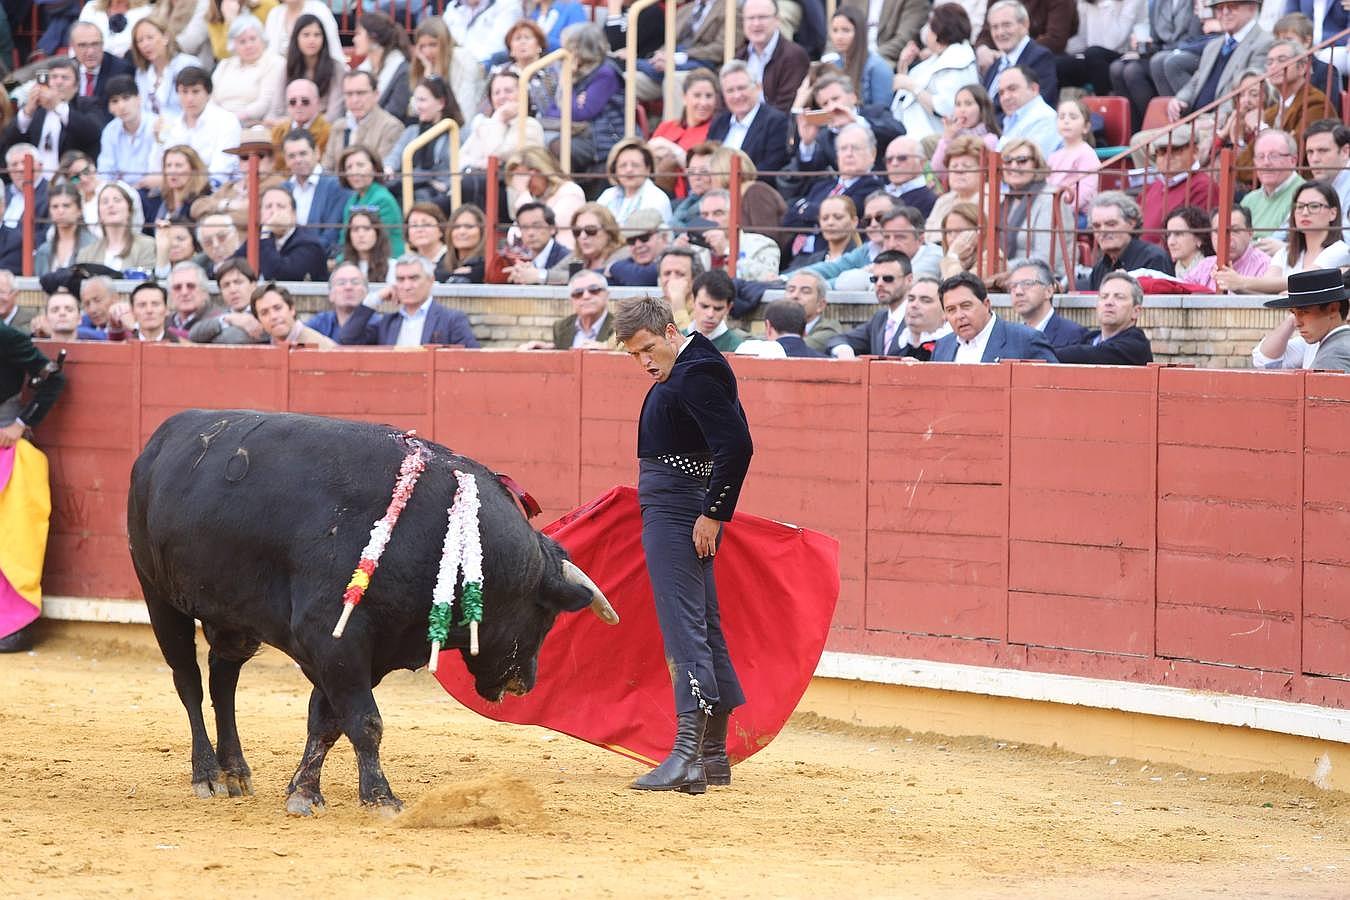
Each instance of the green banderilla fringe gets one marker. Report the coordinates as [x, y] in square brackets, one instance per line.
[439, 623]
[471, 602]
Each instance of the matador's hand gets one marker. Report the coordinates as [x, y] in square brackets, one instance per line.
[706, 531]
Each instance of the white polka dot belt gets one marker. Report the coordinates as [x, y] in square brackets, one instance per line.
[698, 467]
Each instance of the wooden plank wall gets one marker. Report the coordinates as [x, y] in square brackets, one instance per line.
[1173, 526]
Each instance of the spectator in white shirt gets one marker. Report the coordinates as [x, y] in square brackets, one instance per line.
[202, 125]
[481, 27]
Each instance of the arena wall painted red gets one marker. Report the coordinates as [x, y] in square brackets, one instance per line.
[1173, 526]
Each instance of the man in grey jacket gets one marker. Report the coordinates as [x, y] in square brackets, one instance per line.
[1320, 302]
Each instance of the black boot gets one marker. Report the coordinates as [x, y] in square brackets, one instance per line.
[19, 641]
[716, 766]
[683, 768]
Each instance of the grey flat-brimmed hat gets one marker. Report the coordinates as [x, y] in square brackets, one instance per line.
[1312, 288]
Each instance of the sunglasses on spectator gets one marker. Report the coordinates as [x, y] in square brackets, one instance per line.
[592, 289]
[879, 219]
[641, 238]
[884, 279]
[297, 101]
[901, 157]
[588, 230]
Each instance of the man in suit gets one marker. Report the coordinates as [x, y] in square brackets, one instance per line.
[784, 321]
[590, 326]
[96, 69]
[1050, 23]
[700, 29]
[286, 252]
[1320, 303]
[1119, 341]
[815, 150]
[925, 323]
[366, 123]
[979, 336]
[1114, 220]
[1221, 62]
[1032, 288]
[880, 335]
[51, 121]
[905, 179]
[302, 105]
[776, 62]
[538, 228]
[1007, 30]
[895, 24]
[1026, 115]
[809, 291]
[857, 151]
[749, 124]
[11, 313]
[319, 198]
[419, 319]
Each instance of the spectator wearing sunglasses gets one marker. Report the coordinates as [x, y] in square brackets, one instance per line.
[646, 237]
[599, 244]
[303, 114]
[590, 327]
[880, 335]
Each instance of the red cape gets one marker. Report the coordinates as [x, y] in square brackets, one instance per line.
[608, 685]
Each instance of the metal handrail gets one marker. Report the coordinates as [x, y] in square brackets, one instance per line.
[417, 143]
[29, 213]
[564, 56]
[734, 215]
[1334, 41]
[729, 31]
[630, 66]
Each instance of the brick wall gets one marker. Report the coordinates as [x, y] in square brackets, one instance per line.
[1204, 331]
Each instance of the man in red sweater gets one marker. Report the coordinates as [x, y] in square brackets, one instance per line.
[1175, 183]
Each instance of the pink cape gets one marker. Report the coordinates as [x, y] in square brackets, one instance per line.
[609, 685]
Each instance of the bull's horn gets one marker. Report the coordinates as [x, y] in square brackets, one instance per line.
[599, 605]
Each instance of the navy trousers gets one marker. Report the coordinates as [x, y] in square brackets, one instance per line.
[686, 594]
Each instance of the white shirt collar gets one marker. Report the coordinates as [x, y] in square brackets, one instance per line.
[1245, 30]
[1017, 51]
[982, 339]
[750, 116]
[417, 313]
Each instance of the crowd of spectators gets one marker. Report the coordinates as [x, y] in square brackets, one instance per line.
[861, 140]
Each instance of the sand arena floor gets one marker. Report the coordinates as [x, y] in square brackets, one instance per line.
[95, 802]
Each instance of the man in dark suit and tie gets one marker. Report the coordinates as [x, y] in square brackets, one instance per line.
[1244, 44]
[51, 120]
[776, 62]
[815, 150]
[784, 322]
[979, 336]
[1032, 288]
[1008, 27]
[749, 124]
[96, 69]
[286, 252]
[319, 198]
[419, 319]
[880, 335]
[538, 227]
[857, 151]
[1120, 341]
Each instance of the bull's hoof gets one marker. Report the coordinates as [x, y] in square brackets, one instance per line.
[211, 787]
[385, 807]
[304, 804]
[239, 784]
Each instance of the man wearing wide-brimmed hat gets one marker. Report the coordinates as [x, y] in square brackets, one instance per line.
[1320, 302]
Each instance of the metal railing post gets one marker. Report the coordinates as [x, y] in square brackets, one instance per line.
[734, 215]
[254, 210]
[417, 143]
[994, 180]
[630, 67]
[564, 56]
[729, 32]
[1227, 190]
[29, 214]
[491, 213]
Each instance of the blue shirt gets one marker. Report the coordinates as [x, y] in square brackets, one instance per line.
[88, 331]
[1037, 122]
[411, 328]
[127, 157]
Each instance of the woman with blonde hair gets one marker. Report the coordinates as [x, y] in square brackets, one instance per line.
[122, 246]
[599, 243]
[961, 228]
[184, 178]
[1027, 226]
[434, 52]
[157, 60]
[534, 176]
[220, 15]
[125, 13]
[965, 177]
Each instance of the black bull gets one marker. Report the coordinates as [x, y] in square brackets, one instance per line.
[253, 522]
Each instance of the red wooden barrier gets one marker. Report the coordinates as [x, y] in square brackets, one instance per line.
[1174, 526]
